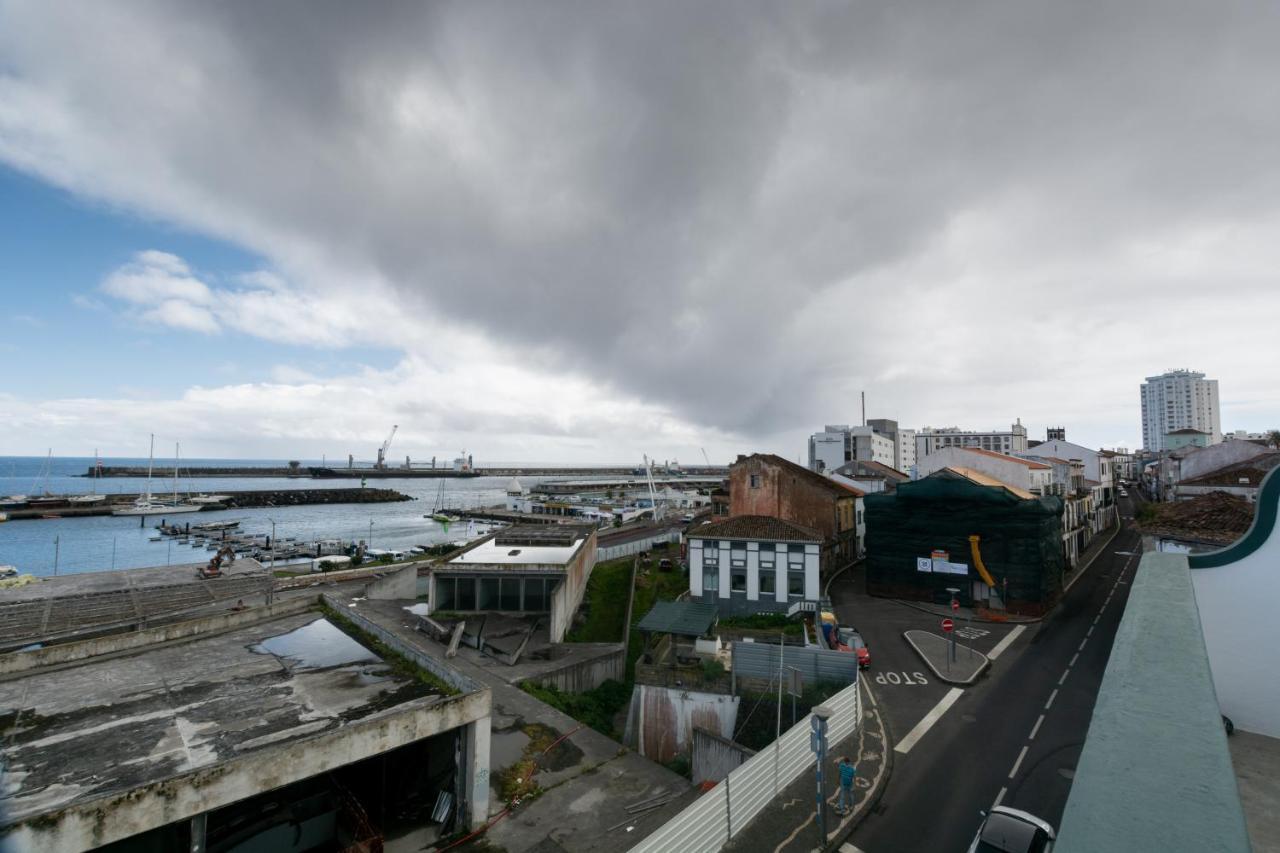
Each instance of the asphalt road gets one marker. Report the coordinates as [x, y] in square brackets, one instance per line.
[1014, 737]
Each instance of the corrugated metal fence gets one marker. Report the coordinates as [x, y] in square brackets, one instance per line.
[726, 810]
[613, 552]
[760, 660]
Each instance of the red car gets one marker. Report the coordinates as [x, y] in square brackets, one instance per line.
[851, 641]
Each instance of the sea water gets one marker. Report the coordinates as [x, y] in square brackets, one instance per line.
[102, 542]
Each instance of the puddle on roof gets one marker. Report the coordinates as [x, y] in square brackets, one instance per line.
[316, 645]
[419, 609]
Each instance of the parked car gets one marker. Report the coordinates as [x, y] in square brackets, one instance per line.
[851, 640]
[1007, 830]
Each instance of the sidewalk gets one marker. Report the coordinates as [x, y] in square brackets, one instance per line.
[788, 823]
[937, 653]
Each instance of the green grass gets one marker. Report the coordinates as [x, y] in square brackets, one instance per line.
[597, 708]
[764, 622]
[605, 603]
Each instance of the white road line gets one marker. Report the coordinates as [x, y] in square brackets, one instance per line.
[1065, 673]
[1096, 618]
[1000, 797]
[1089, 633]
[1073, 657]
[1018, 763]
[1006, 642]
[1036, 728]
[1079, 649]
[1052, 696]
[849, 848]
[922, 727]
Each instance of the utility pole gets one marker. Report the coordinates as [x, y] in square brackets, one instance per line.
[57, 540]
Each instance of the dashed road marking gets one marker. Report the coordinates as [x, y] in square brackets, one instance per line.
[1080, 648]
[849, 848]
[1065, 673]
[1073, 657]
[1000, 797]
[1006, 642]
[1089, 633]
[1018, 763]
[922, 727]
[1036, 728]
[1052, 696]
[1096, 618]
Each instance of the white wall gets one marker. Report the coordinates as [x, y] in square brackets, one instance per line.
[826, 448]
[1238, 606]
[1067, 450]
[1006, 470]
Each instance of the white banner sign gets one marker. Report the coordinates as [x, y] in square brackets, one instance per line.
[944, 567]
[924, 564]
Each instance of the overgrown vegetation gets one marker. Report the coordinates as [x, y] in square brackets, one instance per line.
[398, 663]
[680, 765]
[596, 708]
[758, 713]
[515, 783]
[605, 603]
[1146, 513]
[765, 622]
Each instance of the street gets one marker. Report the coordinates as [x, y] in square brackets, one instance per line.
[1014, 737]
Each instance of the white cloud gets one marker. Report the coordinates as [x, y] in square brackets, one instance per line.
[740, 216]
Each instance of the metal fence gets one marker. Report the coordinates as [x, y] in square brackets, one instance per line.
[727, 809]
[761, 661]
[613, 552]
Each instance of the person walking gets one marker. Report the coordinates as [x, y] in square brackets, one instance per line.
[847, 774]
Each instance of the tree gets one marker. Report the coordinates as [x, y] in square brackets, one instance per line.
[1273, 438]
[294, 465]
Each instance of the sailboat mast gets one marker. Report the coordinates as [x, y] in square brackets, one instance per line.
[151, 458]
[177, 448]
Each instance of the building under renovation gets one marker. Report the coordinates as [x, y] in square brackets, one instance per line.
[958, 529]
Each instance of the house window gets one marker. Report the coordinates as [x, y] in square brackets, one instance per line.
[795, 558]
[738, 555]
[738, 582]
[767, 557]
[711, 579]
[795, 585]
[711, 553]
[755, 481]
[767, 580]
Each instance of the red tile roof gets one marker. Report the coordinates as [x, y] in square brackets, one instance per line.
[764, 527]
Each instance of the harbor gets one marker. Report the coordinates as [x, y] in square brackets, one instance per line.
[70, 506]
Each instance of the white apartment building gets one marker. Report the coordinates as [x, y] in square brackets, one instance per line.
[1026, 474]
[1179, 399]
[841, 443]
[929, 439]
[753, 564]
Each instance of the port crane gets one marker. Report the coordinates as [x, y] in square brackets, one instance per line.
[382, 451]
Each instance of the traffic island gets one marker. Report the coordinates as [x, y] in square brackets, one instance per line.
[936, 651]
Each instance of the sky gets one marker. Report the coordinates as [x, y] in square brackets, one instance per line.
[585, 232]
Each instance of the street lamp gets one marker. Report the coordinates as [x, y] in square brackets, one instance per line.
[57, 540]
[369, 542]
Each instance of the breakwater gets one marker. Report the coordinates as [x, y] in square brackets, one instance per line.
[231, 500]
[320, 473]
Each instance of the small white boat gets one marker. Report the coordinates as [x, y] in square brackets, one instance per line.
[82, 500]
[8, 571]
[209, 499]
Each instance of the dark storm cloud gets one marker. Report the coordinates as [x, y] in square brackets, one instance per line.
[744, 211]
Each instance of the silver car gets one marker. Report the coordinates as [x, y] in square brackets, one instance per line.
[1007, 830]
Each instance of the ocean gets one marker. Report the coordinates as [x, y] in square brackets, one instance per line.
[97, 543]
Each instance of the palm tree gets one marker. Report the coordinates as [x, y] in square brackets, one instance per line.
[1273, 438]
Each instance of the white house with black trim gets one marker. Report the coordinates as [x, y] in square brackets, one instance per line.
[753, 564]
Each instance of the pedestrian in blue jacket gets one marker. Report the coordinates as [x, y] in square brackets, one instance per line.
[847, 774]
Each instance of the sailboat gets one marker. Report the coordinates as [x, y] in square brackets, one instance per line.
[147, 505]
[93, 497]
[437, 511]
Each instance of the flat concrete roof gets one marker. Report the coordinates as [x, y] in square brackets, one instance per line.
[111, 725]
[492, 554]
